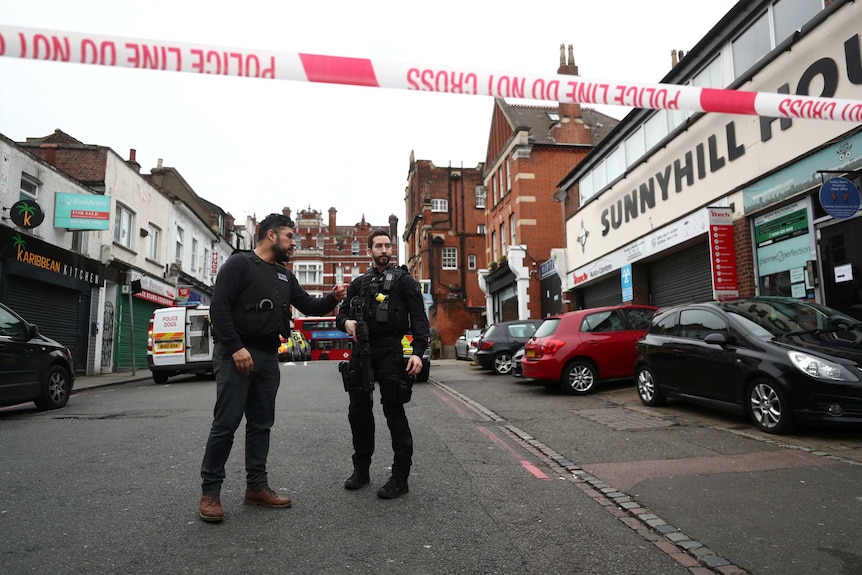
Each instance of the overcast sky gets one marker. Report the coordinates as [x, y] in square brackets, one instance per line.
[254, 146]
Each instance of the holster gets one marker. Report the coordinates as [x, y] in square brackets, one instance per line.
[352, 379]
[405, 387]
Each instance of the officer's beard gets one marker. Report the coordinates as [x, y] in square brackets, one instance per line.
[281, 256]
[382, 260]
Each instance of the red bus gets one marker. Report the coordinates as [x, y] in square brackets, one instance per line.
[325, 340]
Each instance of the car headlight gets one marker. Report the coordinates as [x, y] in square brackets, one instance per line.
[820, 368]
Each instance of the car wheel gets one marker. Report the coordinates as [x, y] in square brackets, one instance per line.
[580, 377]
[769, 407]
[648, 389]
[160, 377]
[55, 389]
[502, 363]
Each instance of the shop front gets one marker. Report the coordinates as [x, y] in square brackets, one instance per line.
[54, 288]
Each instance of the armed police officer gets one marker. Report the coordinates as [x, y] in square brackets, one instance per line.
[250, 308]
[381, 306]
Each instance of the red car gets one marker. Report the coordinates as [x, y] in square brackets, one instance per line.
[580, 348]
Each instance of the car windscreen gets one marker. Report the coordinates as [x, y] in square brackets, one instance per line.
[547, 327]
[781, 318]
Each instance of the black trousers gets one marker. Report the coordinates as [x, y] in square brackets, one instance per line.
[387, 363]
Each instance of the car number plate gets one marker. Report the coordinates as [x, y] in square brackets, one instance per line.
[169, 345]
[531, 353]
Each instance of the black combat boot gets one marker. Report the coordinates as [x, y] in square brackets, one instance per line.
[395, 487]
[358, 479]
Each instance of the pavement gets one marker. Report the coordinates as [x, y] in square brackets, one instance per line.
[101, 380]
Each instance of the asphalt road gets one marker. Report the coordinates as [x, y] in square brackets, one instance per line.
[509, 477]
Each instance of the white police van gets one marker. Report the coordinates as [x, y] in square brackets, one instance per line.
[179, 341]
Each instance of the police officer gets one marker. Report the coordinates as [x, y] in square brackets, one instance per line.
[390, 302]
[250, 308]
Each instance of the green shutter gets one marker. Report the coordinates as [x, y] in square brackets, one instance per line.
[142, 312]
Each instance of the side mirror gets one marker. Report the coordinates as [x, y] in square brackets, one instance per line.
[32, 331]
[716, 339]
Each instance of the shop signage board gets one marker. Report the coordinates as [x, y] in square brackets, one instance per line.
[722, 250]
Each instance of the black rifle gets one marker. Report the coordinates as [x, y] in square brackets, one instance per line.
[363, 338]
[361, 378]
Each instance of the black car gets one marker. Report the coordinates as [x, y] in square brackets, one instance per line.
[779, 360]
[32, 367]
[500, 341]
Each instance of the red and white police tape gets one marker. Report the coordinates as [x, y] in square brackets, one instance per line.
[58, 46]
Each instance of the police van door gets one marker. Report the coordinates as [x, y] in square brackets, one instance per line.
[198, 338]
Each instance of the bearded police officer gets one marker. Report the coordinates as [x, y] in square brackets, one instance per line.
[250, 308]
[383, 305]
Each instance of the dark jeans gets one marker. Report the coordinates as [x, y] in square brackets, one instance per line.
[238, 394]
[388, 363]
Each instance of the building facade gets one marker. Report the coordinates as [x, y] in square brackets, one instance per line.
[656, 206]
[135, 229]
[328, 254]
[530, 149]
[445, 245]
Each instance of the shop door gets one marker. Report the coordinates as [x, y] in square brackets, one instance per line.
[841, 256]
[684, 277]
[60, 313]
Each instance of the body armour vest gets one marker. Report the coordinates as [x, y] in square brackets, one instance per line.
[262, 310]
[386, 310]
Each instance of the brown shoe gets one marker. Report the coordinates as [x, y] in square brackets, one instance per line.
[266, 497]
[210, 508]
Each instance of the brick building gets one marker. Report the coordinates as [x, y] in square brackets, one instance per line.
[530, 150]
[445, 245]
[328, 254]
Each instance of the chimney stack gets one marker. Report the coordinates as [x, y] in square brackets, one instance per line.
[132, 162]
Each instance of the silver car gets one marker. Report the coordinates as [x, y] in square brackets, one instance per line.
[462, 344]
[474, 345]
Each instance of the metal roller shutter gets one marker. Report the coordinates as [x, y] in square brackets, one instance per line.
[143, 311]
[606, 292]
[54, 309]
[683, 277]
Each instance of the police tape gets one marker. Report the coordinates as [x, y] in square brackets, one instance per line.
[111, 51]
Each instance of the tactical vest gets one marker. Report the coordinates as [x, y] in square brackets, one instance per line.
[262, 308]
[386, 309]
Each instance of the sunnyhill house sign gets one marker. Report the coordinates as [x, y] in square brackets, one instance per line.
[709, 156]
[32, 254]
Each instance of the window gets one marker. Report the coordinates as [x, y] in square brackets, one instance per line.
[438, 205]
[791, 15]
[480, 196]
[195, 265]
[614, 164]
[494, 245]
[11, 326]
[79, 241]
[553, 116]
[471, 262]
[356, 272]
[339, 274]
[29, 187]
[503, 238]
[480, 229]
[308, 273]
[153, 242]
[638, 317]
[508, 175]
[450, 258]
[511, 229]
[354, 248]
[319, 241]
[602, 322]
[698, 323]
[751, 46]
[207, 262]
[123, 220]
[178, 253]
